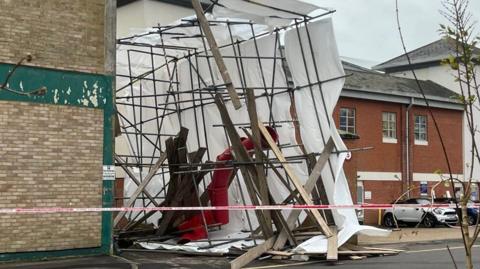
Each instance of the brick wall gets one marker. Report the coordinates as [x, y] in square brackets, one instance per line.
[428, 159]
[384, 157]
[60, 34]
[387, 157]
[51, 156]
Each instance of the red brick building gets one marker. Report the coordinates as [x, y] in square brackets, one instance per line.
[389, 114]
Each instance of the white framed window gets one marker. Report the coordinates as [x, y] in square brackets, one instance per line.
[420, 130]
[389, 127]
[347, 120]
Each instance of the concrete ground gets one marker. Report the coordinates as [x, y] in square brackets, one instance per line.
[427, 254]
[405, 235]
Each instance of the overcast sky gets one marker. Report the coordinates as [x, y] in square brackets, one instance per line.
[366, 29]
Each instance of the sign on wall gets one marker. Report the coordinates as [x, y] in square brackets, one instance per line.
[424, 188]
[109, 172]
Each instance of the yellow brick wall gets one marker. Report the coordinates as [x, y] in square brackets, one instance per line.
[50, 156]
[60, 34]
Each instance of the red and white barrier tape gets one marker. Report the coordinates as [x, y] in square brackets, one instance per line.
[230, 207]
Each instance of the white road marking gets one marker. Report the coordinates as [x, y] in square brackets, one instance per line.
[283, 265]
[438, 249]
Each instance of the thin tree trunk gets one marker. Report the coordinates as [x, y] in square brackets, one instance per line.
[466, 234]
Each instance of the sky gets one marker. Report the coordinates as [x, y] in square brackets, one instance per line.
[367, 29]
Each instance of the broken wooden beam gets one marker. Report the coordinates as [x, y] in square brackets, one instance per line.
[332, 246]
[252, 254]
[309, 185]
[205, 26]
[256, 139]
[241, 154]
[296, 182]
[141, 187]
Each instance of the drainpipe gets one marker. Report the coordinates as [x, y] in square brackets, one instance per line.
[407, 142]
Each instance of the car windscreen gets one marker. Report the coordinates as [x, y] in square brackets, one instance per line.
[423, 201]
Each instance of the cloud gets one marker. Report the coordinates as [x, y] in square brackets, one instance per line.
[367, 29]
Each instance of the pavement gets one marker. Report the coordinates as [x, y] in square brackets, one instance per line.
[420, 254]
[405, 235]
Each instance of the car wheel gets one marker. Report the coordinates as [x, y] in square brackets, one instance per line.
[429, 221]
[471, 220]
[388, 221]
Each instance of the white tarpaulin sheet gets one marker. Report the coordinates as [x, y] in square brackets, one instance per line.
[315, 106]
[261, 11]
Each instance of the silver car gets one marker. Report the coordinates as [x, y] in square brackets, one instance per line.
[428, 216]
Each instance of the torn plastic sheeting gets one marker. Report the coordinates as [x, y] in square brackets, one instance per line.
[324, 64]
[189, 35]
[234, 240]
[269, 12]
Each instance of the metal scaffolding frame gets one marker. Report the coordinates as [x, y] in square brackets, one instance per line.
[206, 94]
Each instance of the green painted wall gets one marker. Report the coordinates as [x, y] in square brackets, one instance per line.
[71, 89]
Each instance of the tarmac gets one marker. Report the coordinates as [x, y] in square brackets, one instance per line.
[424, 248]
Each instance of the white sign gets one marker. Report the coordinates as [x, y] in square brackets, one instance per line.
[349, 156]
[368, 195]
[109, 172]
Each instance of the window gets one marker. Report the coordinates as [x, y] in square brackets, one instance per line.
[420, 130]
[347, 120]
[389, 127]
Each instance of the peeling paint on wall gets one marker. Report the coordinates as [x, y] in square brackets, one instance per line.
[63, 87]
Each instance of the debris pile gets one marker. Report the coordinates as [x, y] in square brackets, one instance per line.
[218, 112]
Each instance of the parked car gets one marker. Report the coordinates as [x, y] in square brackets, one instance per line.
[472, 212]
[429, 217]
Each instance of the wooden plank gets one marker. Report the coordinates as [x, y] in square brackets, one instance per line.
[262, 184]
[241, 154]
[279, 253]
[309, 185]
[363, 248]
[135, 180]
[252, 254]
[366, 252]
[321, 194]
[198, 179]
[332, 245]
[141, 187]
[384, 249]
[305, 196]
[216, 53]
[278, 218]
[177, 193]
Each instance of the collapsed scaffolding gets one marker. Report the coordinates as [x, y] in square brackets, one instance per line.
[235, 111]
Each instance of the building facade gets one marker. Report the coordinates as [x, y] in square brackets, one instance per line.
[426, 61]
[56, 111]
[388, 114]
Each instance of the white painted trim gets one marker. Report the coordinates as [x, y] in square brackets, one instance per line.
[379, 176]
[389, 140]
[433, 177]
[421, 142]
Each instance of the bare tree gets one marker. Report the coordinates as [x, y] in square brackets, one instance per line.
[464, 63]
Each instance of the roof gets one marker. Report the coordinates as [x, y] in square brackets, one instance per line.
[183, 3]
[430, 54]
[367, 84]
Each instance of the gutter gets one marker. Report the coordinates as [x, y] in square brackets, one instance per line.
[407, 142]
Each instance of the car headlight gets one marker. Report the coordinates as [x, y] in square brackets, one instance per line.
[438, 211]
